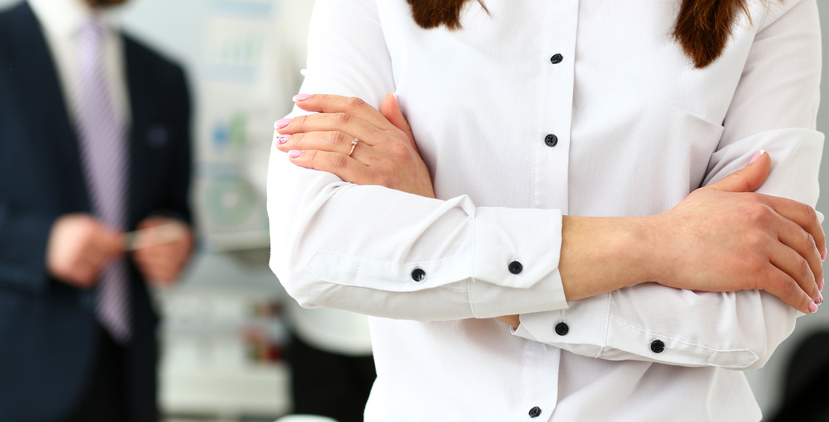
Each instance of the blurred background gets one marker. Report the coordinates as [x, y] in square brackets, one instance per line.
[225, 328]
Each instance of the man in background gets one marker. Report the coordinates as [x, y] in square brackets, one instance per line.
[94, 143]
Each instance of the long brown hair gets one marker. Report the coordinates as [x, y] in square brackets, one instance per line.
[702, 27]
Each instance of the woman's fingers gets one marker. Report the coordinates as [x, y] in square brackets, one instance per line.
[801, 214]
[328, 103]
[807, 260]
[331, 122]
[330, 141]
[343, 166]
[797, 269]
[780, 284]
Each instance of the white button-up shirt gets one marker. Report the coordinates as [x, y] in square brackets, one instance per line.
[636, 128]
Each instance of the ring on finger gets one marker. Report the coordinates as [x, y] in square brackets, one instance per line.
[353, 145]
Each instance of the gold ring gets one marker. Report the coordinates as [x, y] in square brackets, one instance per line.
[353, 145]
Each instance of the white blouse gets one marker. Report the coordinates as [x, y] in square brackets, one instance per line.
[533, 110]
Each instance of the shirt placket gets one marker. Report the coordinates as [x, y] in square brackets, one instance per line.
[556, 60]
[555, 56]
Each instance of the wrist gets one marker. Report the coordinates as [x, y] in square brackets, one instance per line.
[651, 255]
[600, 254]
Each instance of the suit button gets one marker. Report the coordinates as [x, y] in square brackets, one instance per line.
[535, 412]
[515, 267]
[551, 140]
[562, 329]
[556, 59]
[657, 346]
[418, 275]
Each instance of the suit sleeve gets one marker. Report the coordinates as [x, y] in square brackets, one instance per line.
[774, 108]
[23, 242]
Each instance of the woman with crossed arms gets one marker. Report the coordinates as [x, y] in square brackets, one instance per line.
[607, 212]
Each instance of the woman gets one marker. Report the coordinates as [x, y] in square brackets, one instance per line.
[639, 302]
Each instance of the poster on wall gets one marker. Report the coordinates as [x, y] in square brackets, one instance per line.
[247, 77]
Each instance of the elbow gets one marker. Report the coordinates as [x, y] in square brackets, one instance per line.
[303, 289]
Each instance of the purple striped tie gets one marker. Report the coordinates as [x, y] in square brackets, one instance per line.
[103, 147]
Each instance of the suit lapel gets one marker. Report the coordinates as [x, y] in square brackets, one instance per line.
[39, 80]
[138, 107]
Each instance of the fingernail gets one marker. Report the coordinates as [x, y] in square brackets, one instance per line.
[812, 308]
[757, 155]
[823, 255]
[281, 139]
[281, 123]
[820, 285]
[301, 97]
[294, 153]
[819, 299]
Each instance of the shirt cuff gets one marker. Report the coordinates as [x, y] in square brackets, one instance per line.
[589, 328]
[515, 265]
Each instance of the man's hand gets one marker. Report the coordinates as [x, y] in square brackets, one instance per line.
[79, 247]
[162, 248]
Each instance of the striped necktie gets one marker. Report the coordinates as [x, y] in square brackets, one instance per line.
[103, 147]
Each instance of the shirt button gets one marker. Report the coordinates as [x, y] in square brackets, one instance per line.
[657, 346]
[551, 140]
[562, 329]
[556, 59]
[418, 275]
[535, 412]
[515, 267]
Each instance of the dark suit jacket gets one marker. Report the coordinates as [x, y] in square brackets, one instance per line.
[48, 330]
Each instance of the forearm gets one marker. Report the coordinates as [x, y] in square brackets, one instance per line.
[358, 248]
[601, 254]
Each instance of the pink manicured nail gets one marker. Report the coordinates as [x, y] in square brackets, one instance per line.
[301, 97]
[823, 255]
[812, 308]
[281, 123]
[294, 153]
[757, 155]
[281, 139]
[820, 286]
[819, 299]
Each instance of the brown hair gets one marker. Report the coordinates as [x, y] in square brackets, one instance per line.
[702, 27]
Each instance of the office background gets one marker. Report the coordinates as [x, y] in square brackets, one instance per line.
[223, 334]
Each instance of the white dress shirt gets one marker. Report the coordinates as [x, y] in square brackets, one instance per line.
[636, 128]
[62, 21]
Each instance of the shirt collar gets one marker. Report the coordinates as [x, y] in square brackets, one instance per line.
[65, 17]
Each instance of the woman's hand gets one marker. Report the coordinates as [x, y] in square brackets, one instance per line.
[356, 142]
[724, 237]
[721, 238]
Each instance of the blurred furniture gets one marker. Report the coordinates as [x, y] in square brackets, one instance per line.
[222, 341]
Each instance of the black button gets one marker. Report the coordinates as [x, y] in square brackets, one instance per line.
[562, 329]
[515, 267]
[535, 412]
[418, 275]
[657, 346]
[556, 59]
[551, 140]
